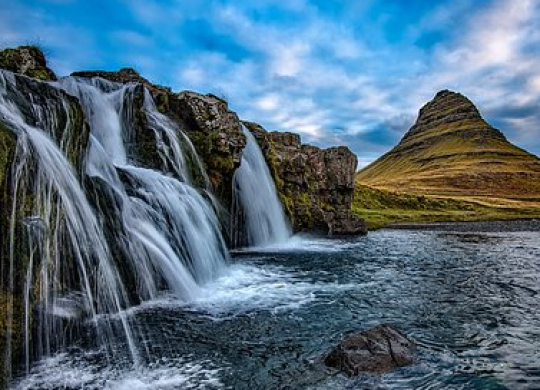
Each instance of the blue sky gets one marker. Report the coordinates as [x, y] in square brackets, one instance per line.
[337, 72]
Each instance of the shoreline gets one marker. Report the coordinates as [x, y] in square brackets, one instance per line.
[515, 225]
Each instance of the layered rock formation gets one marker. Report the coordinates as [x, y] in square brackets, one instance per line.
[452, 150]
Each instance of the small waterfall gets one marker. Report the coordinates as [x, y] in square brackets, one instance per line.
[255, 193]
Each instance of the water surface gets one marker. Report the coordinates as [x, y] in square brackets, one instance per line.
[469, 299]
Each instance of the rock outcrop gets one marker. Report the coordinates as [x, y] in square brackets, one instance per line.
[452, 150]
[26, 60]
[216, 134]
[376, 350]
[316, 186]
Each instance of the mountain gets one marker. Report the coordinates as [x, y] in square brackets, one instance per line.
[452, 151]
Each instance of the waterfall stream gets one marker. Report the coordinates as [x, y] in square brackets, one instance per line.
[255, 192]
[62, 225]
[127, 235]
[171, 233]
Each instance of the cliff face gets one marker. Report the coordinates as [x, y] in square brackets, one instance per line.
[61, 116]
[452, 150]
[316, 186]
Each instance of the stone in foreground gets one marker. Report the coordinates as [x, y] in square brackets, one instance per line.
[376, 350]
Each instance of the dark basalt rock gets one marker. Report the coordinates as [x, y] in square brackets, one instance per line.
[376, 350]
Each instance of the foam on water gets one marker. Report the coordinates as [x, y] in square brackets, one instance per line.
[247, 288]
[68, 371]
[303, 243]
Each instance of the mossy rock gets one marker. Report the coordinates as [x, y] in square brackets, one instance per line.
[27, 60]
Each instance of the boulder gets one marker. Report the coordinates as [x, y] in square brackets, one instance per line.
[376, 350]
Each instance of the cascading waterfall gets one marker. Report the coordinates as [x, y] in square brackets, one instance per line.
[256, 196]
[171, 231]
[62, 226]
[163, 232]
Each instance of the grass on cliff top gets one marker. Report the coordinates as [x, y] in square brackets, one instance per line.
[380, 208]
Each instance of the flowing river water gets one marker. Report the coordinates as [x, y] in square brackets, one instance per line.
[470, 300]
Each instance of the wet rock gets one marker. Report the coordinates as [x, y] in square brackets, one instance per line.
[316, 186]
[216, 134]
[26, 60]
[376, 350]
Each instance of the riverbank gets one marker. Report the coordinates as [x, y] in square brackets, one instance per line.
[382, 208]
[532, 225]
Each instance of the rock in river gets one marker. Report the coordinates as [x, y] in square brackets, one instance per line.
[376, 350]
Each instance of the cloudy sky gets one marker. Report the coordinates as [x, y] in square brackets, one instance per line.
[337, 72]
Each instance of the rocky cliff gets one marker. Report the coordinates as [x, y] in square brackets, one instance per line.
[452, 150]
[316, 186]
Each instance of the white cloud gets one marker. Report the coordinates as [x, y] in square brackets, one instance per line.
[268, 102]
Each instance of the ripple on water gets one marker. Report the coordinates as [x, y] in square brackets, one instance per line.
[470, 300]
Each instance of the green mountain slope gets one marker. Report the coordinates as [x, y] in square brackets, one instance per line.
[452, 151]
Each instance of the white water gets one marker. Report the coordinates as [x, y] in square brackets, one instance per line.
[255, 191]
[171, 230]
[164, 232]
[62, 227]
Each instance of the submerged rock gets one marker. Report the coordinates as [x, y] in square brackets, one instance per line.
[376, 350]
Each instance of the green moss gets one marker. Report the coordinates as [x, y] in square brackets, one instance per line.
[7, 149]
[162, 102]
[12, 60]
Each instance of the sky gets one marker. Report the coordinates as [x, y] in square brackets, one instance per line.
[337, 72]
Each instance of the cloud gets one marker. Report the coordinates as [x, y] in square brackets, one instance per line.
[341, 72]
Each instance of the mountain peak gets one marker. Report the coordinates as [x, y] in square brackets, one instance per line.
[450, 110]
[451, 149]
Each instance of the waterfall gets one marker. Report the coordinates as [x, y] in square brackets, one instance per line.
[167, 228]
[65, 245]
[255, 192]
[124, 233]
